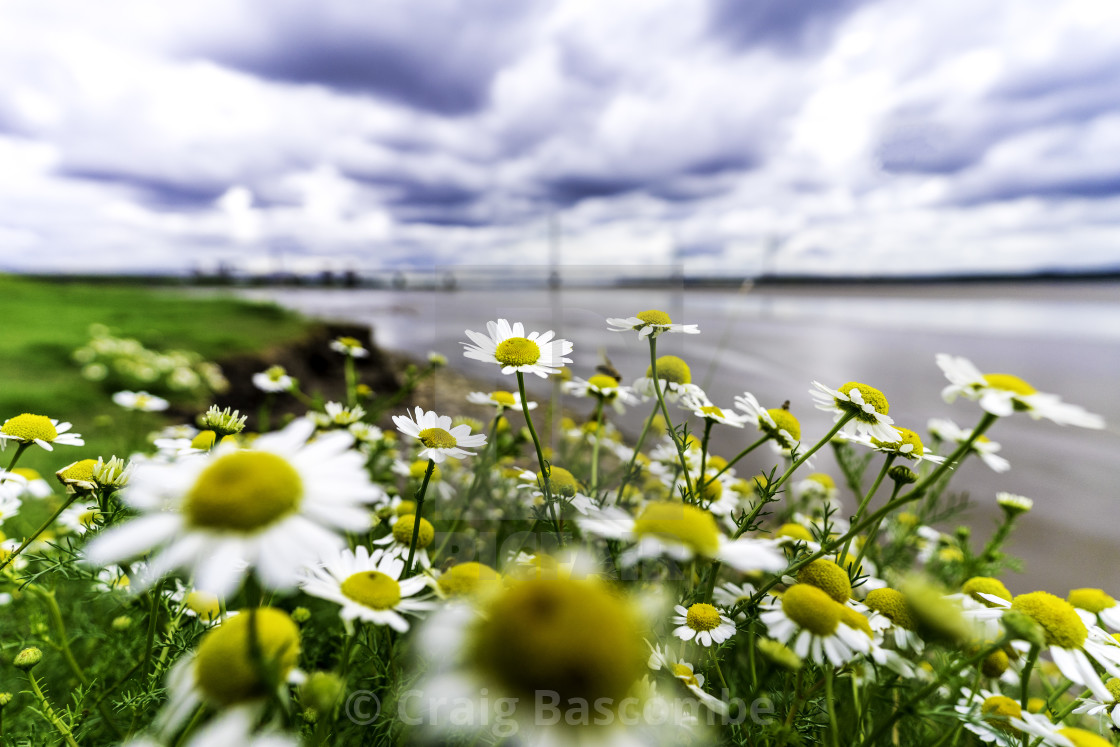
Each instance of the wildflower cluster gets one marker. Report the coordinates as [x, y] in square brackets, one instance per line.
[533, 578]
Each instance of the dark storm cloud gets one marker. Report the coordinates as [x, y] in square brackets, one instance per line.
[152, 191]
[790, 26]
[435, 55]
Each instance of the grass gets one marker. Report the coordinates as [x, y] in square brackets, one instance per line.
[44, 321]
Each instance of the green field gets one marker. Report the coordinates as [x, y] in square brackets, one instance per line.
[43, 322]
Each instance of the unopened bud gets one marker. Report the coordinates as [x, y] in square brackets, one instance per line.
[902, 475]
[27, 659]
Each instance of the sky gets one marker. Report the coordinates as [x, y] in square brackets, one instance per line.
[832, 137]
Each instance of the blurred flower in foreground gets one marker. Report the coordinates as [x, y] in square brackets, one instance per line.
[141, 401]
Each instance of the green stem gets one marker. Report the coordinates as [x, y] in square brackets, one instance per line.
[48, 712]
[481, 477]
[867, 499]
[595, 447]
[416, 519]
[19, 452]
[830, 703]
[679, 443]
[871, 535]
[634, 457]
[740, 455]
[1025, 681]
[545, 484]
[708, 423]
[351, 381]
[44, 527]
[813, 450]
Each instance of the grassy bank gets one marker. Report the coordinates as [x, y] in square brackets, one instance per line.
[43, 322]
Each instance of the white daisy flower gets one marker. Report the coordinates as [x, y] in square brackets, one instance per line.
[12, 486]
[700, 406]
[349, 346]
[682, 532]
[440, 440]
[233, 670]
[685, 673]
[998, 719]
[341, 415]
[867, 404]
[368, 587]
[500, 399]
[415, 470]
[25, 481]
[778, 422]
[809, 621]
[508, 346]
[1102, 707]
[702, 623]
[199, 604]
[1003, 394]
[78, 518]
[399, 539]
[38, 429]
[1094, 604]
[983, 447]
[140, 401]
[602, 387]
[650, 324]
[674, 377]
[563, 485]
[906, 444]
[273, 379]
[276, 507]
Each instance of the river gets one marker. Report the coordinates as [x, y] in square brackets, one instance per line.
[773, 342]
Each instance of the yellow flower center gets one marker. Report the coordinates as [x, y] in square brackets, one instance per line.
[672, 369]
[784, 421]
[702, 617]
[855, 620]
[686, 524]
[560, 481]
[827, 576]
[1056, 616]
[997, 709]
[27, 473]
[372, 589]
[907, 437]
[404, 508]
[871, 396]
[995, 663]
[1092, 600]
[653, 316]
[505, 399]
[1082, 738]
[437, 438]
[204, 440]
[986, 585]
[893, 604]
[795, 531]
[203, 604]
[232, 666]
[402, 531]
[244, 491]
[712, 410]
[28, 427]
[811, 609]
[1113, 685]
[601, 381]
[517, 351]
[468, 578]
[574, 639]
[78, 471]
[417, 469]
[680, 671]
[1009, 383]
[825, 481]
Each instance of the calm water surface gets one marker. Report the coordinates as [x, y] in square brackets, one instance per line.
[1063, 339]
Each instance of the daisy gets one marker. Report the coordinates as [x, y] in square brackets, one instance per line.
[1101, 706]
[892, 617]
[25, 481]
[141, 401]
[415, 470]
[650, 324]
[702, 407]
[603, 387]
[440, 440]
[502, 400]
[998, 719]
[274, 379]
[867, 404]
[399, 539]
[276, 507]
[562, 484]
[1003, 394]
[368, 587]
[983, 447]
[674, 377]
[686, 674]
[906, 444]
[236, 667]
[341, 415]
[508, 346]
[78, 518]
[1095, 603]
[682, 532]
[808, 620]
[29, 429]
[702, 623]
[776, 422]
[349, 346]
